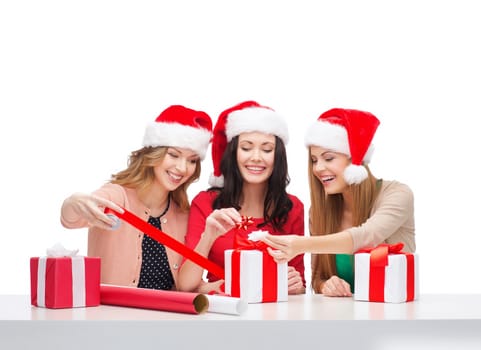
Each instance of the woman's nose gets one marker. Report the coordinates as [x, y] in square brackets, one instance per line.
[181, 165]
[256, 154]
[318, 166]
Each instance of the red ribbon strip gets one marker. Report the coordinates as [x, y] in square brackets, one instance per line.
[168, 241]
[377, 269]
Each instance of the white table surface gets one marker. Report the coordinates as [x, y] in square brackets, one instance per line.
[440, 320]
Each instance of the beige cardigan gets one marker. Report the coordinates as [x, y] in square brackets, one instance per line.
[391, 220]
[121, 250]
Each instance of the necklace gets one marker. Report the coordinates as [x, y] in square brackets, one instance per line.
[165, 210]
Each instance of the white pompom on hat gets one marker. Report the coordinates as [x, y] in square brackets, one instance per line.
[248, 116]
[346, 131]
[179, 126]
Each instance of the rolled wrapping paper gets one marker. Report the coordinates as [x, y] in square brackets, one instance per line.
[226, 305]
[154, 299]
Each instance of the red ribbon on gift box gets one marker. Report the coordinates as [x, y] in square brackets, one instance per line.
[168, 241]
[269, 268]
[377, 269]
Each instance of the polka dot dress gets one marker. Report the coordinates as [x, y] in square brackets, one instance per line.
[155, 270]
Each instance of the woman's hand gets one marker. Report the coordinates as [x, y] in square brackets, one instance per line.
[220, 221]
[336, 287]
[208, 287]
[283, 247]
[91, 208]
[294, 281]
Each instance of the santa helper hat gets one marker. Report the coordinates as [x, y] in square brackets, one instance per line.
[346, 131]
[248, 116]
[178, 126]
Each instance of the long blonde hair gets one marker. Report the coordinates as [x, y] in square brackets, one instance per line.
[325, 217]
[140, 174]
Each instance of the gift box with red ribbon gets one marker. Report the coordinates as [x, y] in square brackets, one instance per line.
[252, 274]
[65, 282]
[386, 274]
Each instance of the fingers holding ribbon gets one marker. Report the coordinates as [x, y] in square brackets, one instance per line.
[221, 220]
[91, 208]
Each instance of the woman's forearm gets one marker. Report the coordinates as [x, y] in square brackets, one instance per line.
[337, 243]
[190, 274]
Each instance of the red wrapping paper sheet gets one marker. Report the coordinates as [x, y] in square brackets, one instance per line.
[164, 300]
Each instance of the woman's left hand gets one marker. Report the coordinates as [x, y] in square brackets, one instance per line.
[294, 281]
[282, 247]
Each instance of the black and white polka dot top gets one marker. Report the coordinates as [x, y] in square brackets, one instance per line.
[155, 271]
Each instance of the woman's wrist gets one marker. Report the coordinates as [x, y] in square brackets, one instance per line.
[208, 238]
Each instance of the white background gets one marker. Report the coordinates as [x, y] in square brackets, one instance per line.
[80, 80]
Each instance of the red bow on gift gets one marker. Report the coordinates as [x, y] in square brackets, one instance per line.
[243, 243]
[379, 253]
[245, 222]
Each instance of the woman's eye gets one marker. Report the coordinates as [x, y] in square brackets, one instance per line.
[268, 150]
[245, 149]
[173, 155]
[193, 161]
[313, 161]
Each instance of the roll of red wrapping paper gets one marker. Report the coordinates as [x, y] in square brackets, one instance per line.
[154, 299]
[169, 241]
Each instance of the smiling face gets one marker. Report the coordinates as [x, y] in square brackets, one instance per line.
[255, 156]
[328, 167]
[176, 168]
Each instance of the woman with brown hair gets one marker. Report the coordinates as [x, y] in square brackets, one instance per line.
[350, 208]
[250, 179]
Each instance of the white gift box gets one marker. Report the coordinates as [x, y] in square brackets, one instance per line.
[250, 277]
[401, 278]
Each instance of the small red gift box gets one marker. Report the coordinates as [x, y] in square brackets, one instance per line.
[65, 282]
[386, 274]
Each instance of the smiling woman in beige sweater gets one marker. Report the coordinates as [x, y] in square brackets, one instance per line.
[350, 208]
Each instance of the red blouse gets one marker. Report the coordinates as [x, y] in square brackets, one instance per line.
[201, 208]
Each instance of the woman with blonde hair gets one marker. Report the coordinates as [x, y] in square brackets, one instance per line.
[154, 188]
[350, 208]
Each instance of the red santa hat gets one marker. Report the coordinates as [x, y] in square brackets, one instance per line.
[346, 131]
[248, 116]
[178, 126]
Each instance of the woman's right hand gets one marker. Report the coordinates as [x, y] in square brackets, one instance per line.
[336, 287]
[220, 221]
[91, 208]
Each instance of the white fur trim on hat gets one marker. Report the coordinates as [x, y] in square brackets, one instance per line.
[216, 181]
[333, 137]
[259, 119]
[328, 135]
[355, 174]
[177, 135]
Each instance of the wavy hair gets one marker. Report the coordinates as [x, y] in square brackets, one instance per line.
[140, 175]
